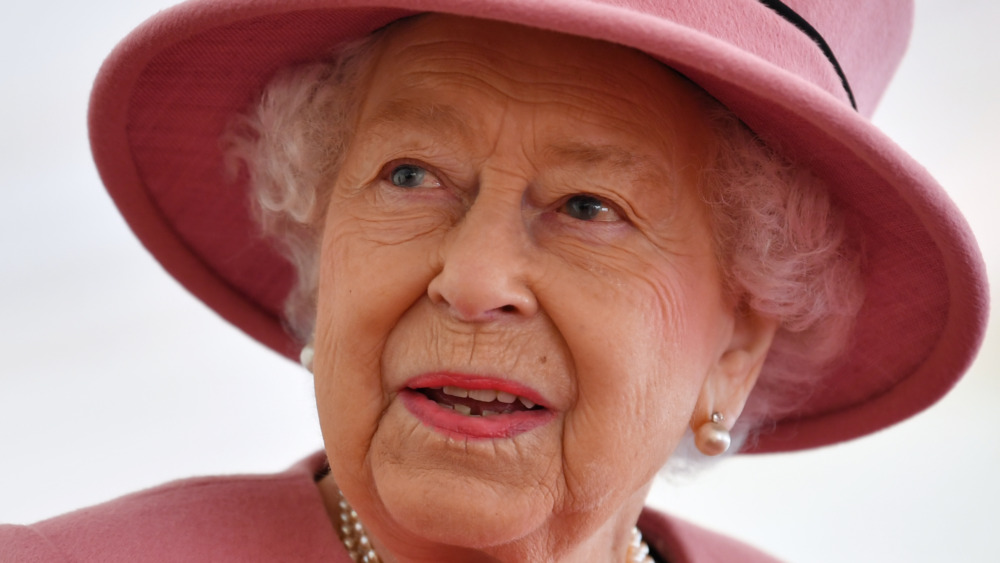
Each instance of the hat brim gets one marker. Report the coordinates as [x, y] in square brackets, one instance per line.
[165, 95]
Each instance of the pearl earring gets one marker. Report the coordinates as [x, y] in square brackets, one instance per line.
[712, 438]
[306, 357]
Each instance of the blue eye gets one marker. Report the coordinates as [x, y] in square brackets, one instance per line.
[408, 176]
[589, 208]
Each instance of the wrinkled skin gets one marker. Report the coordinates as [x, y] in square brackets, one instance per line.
[547, 231]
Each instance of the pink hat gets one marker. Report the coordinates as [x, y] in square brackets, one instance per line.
[793, 72]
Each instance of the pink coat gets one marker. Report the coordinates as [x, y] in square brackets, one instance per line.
[277, 517]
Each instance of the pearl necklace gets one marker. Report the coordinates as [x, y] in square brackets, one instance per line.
[360, 548]
[353, 534]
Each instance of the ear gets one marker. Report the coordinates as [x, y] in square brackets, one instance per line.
[733, 375]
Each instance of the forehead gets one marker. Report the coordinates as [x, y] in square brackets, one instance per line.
[454, 73]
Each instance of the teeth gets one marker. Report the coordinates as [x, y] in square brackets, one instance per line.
[455, 391]
[505, 397]
[444, 406]
[484, 395]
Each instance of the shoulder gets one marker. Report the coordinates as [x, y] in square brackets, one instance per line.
[683, 542]
[245, 518]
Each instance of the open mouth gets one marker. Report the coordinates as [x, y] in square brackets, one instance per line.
[462, 406]
[478, 402]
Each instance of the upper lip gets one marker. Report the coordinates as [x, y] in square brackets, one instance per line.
[474, 381]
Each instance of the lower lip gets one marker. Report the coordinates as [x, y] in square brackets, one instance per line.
[460, 426]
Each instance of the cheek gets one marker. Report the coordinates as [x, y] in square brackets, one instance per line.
[375, 264]
[365, 286]
[642, 349]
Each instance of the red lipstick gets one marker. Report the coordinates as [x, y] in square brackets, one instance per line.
[464, 406]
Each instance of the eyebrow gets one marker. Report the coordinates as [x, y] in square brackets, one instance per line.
[449, 119]
[439, 117]
[638, 167]
[613, 156]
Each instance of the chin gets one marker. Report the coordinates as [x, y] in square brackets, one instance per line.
[439, 510]
[436, 486]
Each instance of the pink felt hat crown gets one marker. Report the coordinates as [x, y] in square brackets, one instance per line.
[792, 71]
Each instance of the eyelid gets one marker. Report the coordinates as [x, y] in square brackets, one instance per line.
[385, 174]
[619, 215]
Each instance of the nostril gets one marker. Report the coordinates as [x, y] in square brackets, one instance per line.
[508, 309]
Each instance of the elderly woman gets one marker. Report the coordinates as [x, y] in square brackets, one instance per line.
[530, 251]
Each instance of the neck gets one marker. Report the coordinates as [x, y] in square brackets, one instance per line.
[560, 541]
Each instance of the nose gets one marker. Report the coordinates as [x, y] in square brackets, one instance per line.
[485, 265]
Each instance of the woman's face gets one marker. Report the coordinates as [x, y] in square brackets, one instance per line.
[513, 216]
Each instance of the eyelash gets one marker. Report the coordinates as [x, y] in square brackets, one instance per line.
[390, 170]
[576, 202]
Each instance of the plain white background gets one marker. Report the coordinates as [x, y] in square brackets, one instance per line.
[112, 378]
